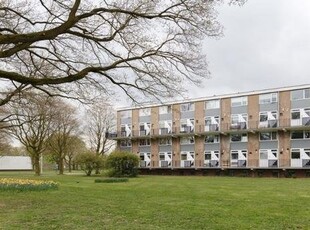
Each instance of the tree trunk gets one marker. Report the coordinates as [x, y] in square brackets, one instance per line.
[36, 164]
[61, 166]
[69, 164]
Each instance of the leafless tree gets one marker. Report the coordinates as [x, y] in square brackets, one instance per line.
[76, 146]
[31, 122]
[64, 125]
[64, 47]
[5, 146]
[100, 119]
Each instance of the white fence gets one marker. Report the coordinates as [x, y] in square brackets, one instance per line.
[15, 163]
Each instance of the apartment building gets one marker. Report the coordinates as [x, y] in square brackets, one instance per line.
[266, 131]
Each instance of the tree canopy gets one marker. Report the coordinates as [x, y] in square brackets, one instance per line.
[71, 47]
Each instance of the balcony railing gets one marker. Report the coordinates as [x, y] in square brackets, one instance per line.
[270, 125]
[232, 164]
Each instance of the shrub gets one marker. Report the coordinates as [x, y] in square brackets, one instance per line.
[122, 164]
[111, 180]
[89, 161]
[9, 184]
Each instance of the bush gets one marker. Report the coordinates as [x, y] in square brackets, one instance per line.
[111, 180]
[89, 161]
[122, 164]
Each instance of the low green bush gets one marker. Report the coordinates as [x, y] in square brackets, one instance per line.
[89, 162]
[112, 180]
[122, 164]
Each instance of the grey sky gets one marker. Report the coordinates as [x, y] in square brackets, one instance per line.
[266, 44]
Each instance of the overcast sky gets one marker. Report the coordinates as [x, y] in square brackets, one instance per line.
[266, 44]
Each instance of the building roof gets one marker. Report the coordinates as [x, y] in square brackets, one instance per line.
[214, 97]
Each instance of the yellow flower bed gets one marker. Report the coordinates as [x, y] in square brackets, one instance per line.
[26, 184]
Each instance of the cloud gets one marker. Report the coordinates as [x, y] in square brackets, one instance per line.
[266, 44]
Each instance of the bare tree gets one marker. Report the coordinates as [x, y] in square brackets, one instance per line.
[31, 122]
[76, 146]
[65, 47]
[64, 126]
[100, 119]
[5, 146]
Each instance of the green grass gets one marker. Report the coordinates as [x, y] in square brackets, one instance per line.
[159, 202]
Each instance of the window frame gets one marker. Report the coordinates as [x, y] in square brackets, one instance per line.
[147, 141]
[190, 107]
[242, 135]
[271, 136]
[215, 104]
[239, 101]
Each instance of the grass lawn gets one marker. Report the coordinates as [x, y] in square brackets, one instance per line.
[159, 202]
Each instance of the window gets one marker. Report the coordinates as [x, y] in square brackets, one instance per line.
[144, 112]
[234, 155]
[268, 136]
[187, 107]
[187, 140]
[125, 130]
[145, 142]
[267, 116]
[212, 139]
[295, 153]
[268, 158]
[239, 101]
[165, 141]
[268, 98]
[164, 127]
[145, 159]
[239, 121]
[125, 143]
[212, 158]
[238, 158]
[125, 114]
[213, 104]
[300, 135]
[268, 119]
[212, 123]
[165, 109]
[300, 117]
[295, 114]
[300, 94]
[164, 159]
[263, 154]
[145, 129]
[239, 137]
[187, 126]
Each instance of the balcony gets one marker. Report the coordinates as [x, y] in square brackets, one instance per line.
[250, 126]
